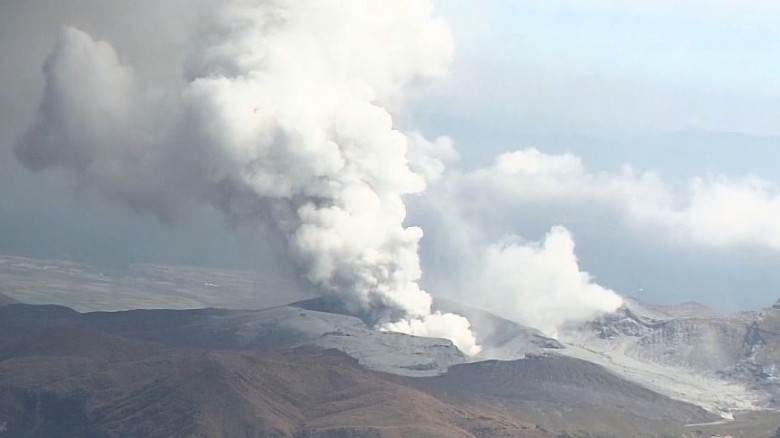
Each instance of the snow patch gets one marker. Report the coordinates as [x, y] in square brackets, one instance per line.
[707, 391]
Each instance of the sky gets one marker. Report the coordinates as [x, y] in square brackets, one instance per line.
[589, 145]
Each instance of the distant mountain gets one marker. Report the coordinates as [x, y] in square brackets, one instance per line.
[144, 286]
[6, 300]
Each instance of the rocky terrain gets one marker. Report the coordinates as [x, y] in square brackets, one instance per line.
[641, 371]
[565, 394]
[271, 329]
[722, 362]
[81, 383]
[189, 374]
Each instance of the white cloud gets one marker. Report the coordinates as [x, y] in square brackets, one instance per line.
[713, 211]
[475, 218]
[723, 212]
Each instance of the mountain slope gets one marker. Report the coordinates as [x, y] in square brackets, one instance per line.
[562, 393]
[499, 337]
[232, 373]
[79, 383]
[269, 329]
[703, 359]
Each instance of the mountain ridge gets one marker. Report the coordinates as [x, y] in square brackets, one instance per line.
[112, 382]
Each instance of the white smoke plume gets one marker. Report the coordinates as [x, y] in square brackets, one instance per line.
[541, 284]
[486, 264]
[284, 120]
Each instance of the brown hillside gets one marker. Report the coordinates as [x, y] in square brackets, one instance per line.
[80, 383]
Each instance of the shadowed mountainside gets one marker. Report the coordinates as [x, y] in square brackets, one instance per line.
[563, 393]
[76, 382]
[269, 329]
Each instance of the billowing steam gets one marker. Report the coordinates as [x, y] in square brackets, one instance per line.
[541, 284]
[284, 121]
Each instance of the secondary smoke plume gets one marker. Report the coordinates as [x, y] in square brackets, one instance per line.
[541, 284]
[283, 120]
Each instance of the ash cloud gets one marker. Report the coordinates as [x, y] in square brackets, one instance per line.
[284, 121]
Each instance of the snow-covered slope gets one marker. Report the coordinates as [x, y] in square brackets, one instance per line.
[687, 356]
[722, 362]
[382, 351]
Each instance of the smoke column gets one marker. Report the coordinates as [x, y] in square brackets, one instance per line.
[283, 120]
